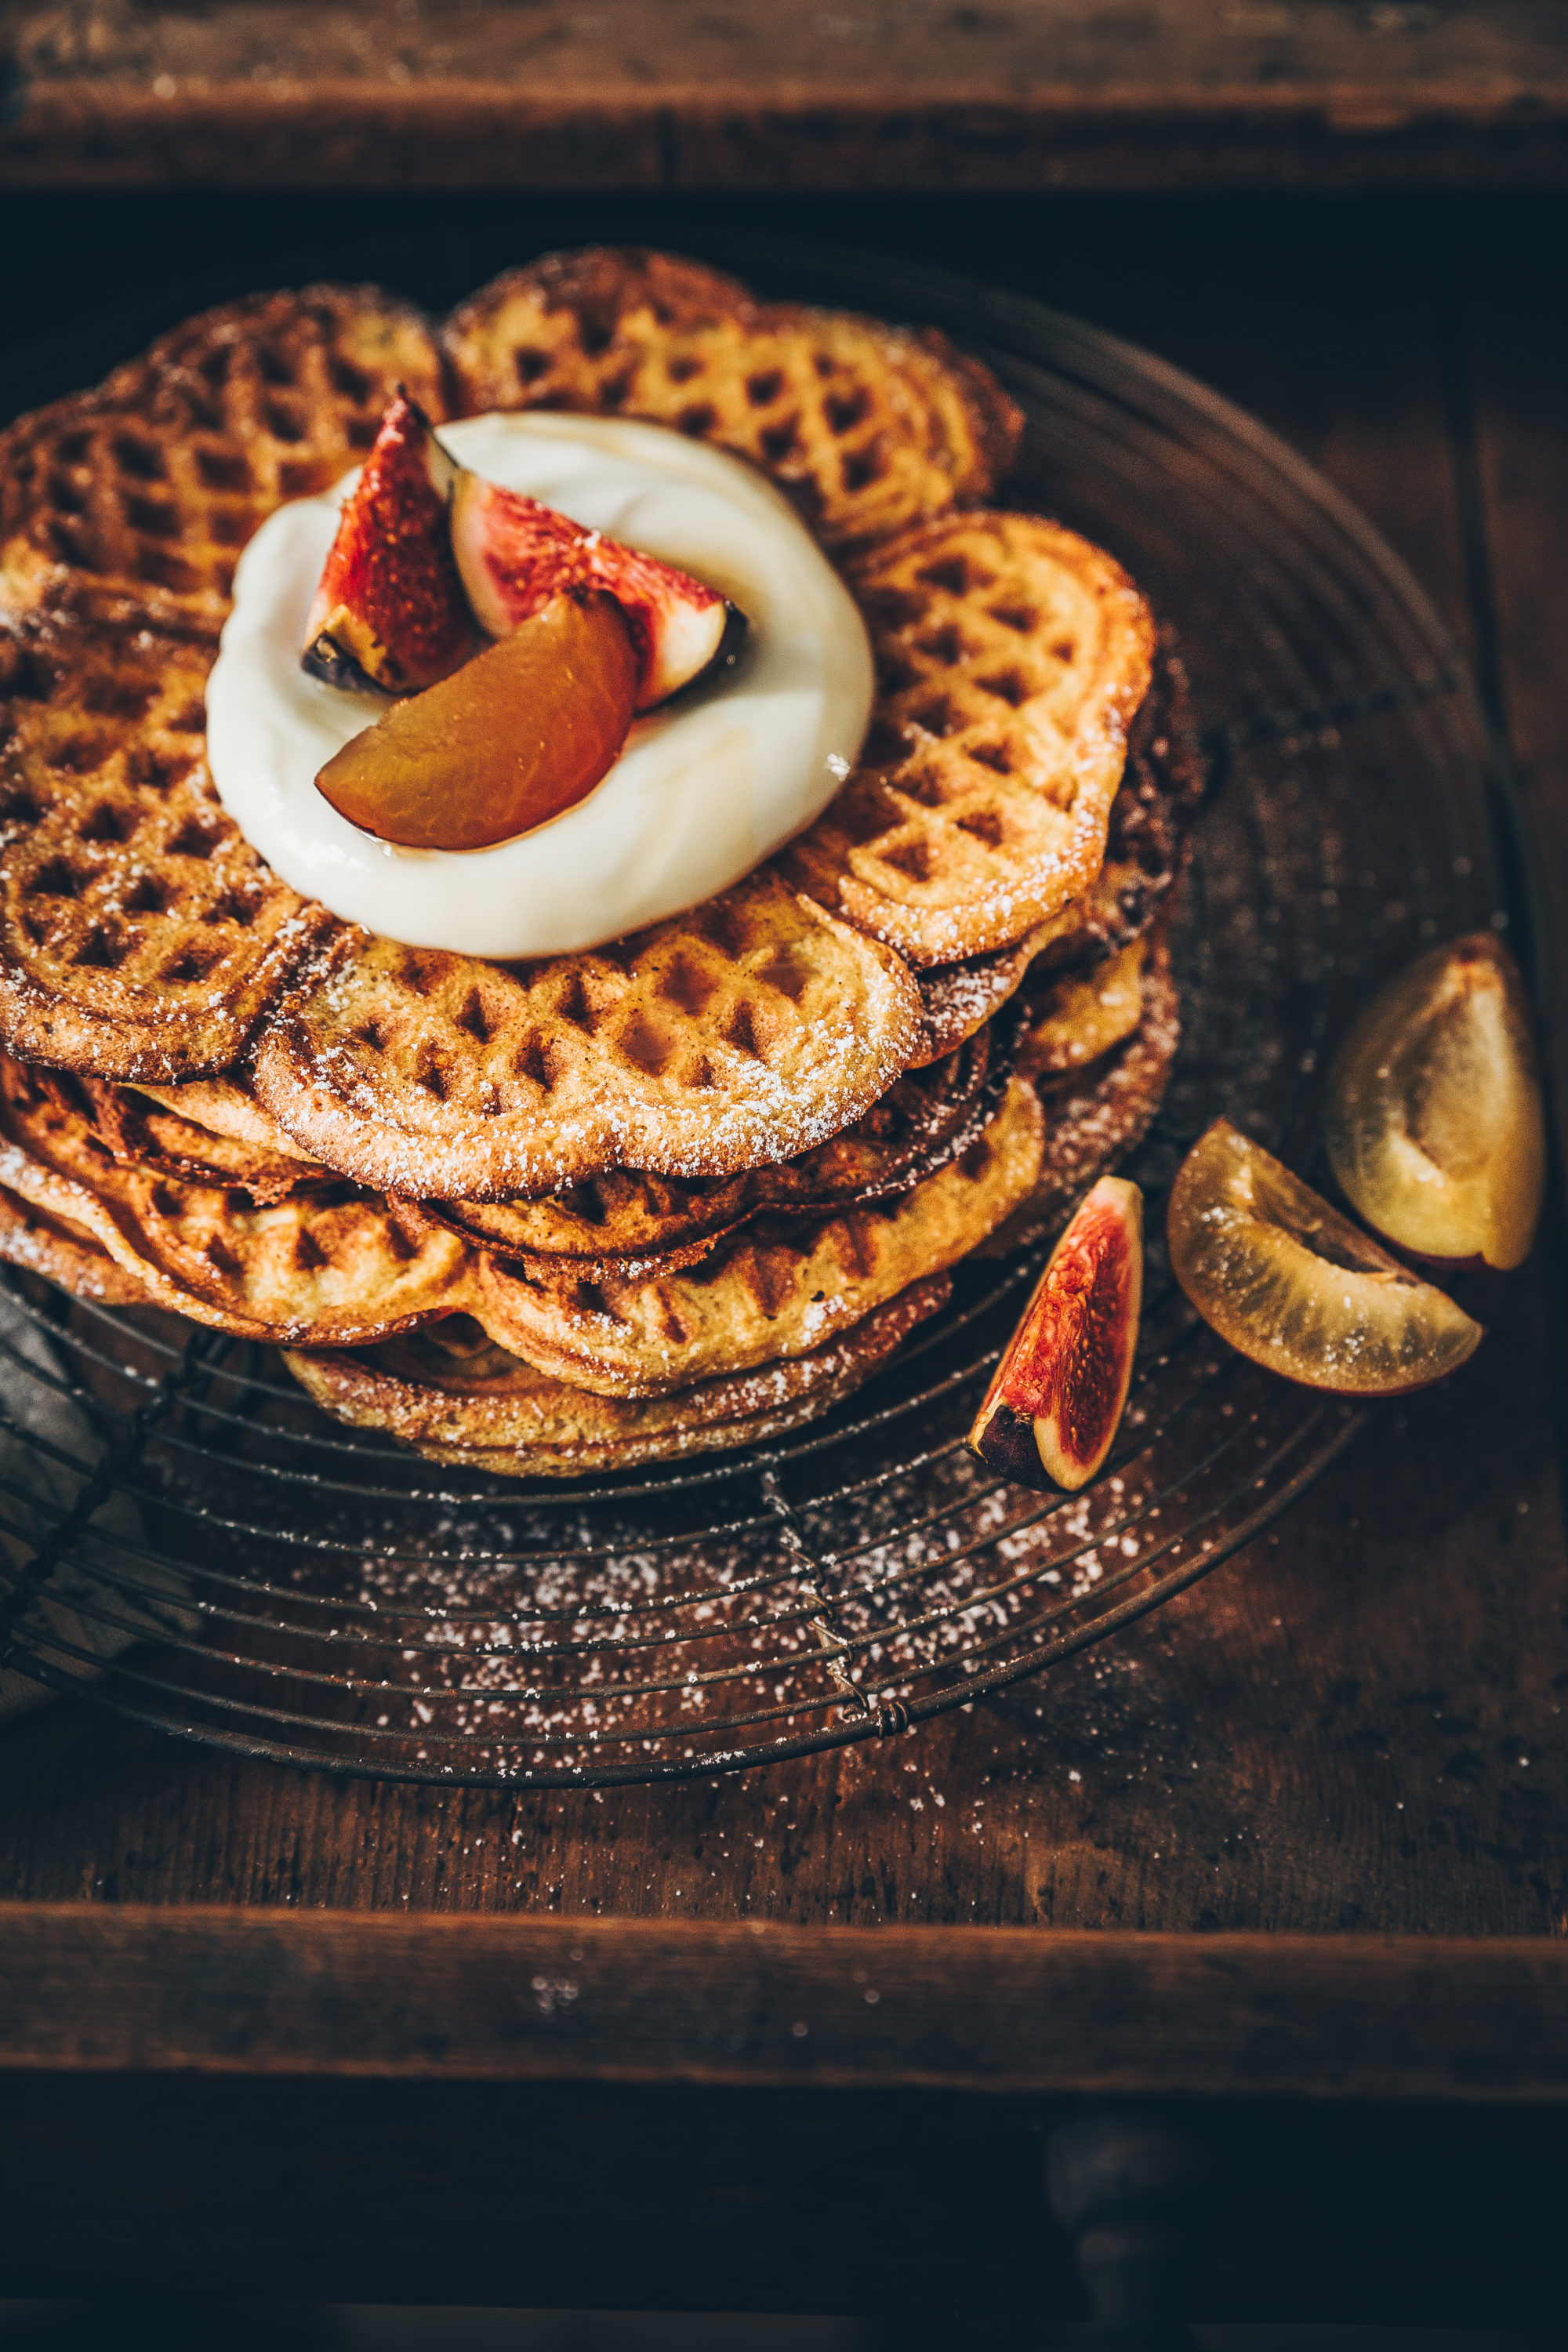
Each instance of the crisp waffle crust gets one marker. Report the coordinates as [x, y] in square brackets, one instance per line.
[331, 1265]
[870, 428]
[1012, 655]
[742, 1033]
[486, 1410]
[139, 934]
[631, 1227]
[152, 484]
[769, 1292]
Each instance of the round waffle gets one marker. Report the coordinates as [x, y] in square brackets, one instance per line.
[152, 485]
[334, 1266]
[869, 427]
[772, 1290]
[741, 1034]
[631, 1227]
[484, 1408]
[141, 936]
[1012, 657]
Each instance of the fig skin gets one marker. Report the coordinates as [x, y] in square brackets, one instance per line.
[1294, 1285]
[1056, 1398]
[517, 736]
[389, 612]
[1435, 1122]
[513, 554]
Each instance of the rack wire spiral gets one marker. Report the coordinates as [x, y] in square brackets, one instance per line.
[184, 1539]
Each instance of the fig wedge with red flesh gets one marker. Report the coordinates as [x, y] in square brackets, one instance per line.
[517, 735]
[514, 554]
[1292, 1283]
[1434, 1125]
[389, 610]
[1058, 1395]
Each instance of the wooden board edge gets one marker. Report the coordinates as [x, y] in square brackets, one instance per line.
[116, 131]
[1005, 2011]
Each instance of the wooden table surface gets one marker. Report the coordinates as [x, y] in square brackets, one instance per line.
[785, 94]
[1350, 1733]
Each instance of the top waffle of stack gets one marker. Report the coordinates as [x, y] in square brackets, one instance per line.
[142, 939]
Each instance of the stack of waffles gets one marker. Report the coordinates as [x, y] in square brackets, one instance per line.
[687, 1190]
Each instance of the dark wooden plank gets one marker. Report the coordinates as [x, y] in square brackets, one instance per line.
[1520, 457]
[921, 2211]
[786, 94]
[143, 1989]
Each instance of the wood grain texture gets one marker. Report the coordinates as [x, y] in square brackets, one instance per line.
[785, 94]
[139, 1990]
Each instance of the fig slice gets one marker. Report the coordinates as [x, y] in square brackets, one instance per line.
[1434, 1125]
[513, 554]
[389, 610]
[1292, 1283]
[1056, 1398]
[517, 735]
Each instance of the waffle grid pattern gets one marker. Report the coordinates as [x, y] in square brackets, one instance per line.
[870, 428]
[1012, 657]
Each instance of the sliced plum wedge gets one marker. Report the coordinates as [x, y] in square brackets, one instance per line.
[516, 737]
[1434, 1125]
[1295, 1285]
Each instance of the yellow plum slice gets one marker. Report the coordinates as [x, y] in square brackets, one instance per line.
[1434, 1125]
[1295, 1285]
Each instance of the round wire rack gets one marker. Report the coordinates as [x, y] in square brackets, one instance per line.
[184, 1539]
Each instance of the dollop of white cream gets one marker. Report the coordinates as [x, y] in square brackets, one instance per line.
[702, 792]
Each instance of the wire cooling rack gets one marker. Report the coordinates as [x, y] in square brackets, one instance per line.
[184, 1539]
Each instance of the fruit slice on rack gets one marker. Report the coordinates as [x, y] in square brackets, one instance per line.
[517, 735]
[1295, 1285]
[1058, 1395]
[515, 555]
[1434, 1125]
[390, 609]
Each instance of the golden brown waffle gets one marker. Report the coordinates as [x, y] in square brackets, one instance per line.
[773, 1290]
[1012, 657]
[633, 1227]
[154, 483]
[143, 1133]
[1076, 1016]
[958, 1000]
[742, 1033]
[332, 1267]
[486, 1410]
[1095, 1117]
[62, 1253]
[225, 1109]
[869, 427]
[1146, 838]
[139, 934]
